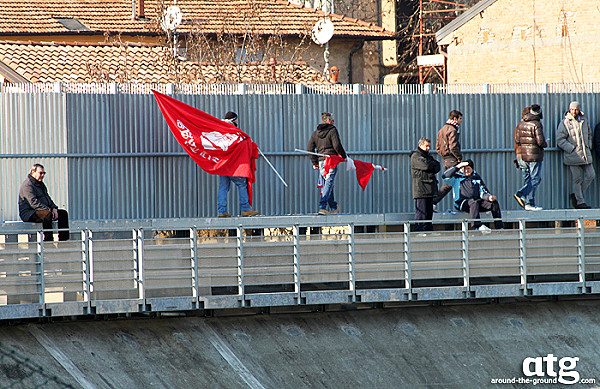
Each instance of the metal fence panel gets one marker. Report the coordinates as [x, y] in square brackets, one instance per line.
[111, 155]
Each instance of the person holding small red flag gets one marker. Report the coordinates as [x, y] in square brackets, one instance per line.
[326, 140]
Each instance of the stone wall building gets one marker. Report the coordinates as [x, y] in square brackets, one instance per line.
[524, 41]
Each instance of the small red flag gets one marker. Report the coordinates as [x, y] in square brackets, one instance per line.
[364, 171]
[218, 147]
[331, 162]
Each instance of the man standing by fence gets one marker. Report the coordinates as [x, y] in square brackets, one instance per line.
[423, 168]
[574, 137]
[35, 205]
[447, 146]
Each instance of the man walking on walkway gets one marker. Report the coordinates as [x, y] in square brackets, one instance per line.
[326, 140]
[240, 182]
[574, 137]
[529, 146]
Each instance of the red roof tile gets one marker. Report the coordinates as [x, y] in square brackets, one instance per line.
[263, 17]
[49, 62]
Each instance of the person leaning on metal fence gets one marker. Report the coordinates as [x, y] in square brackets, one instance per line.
[471, 195]
[326, 140]
[423, 168]
[35, 205]
[240, 182]
[529, 146]
[574, 137]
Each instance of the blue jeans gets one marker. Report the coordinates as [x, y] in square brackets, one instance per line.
[224, 184]
[327, 197]
[531, 172]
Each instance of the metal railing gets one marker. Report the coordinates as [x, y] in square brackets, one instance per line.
[286, 89]
[172, 267]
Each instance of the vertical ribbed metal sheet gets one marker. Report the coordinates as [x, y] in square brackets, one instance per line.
[112, 156]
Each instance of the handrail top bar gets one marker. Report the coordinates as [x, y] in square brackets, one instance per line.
[306, 220]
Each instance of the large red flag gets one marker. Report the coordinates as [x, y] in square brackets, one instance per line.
[218, 147]
[331, 161]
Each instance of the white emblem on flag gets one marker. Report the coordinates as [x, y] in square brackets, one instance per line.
[215, 140]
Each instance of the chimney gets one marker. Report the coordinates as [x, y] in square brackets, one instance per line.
[139, 9]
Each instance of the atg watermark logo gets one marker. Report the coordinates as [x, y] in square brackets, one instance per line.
[548, 370]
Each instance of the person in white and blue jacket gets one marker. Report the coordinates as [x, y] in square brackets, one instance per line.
[471, 195]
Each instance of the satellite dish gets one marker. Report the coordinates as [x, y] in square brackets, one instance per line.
[171, 18]
[322, 31]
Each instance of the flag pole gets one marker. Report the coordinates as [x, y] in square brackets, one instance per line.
[308, 152]
[272, 167]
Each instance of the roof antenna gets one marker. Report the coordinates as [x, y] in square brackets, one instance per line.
[170, 21]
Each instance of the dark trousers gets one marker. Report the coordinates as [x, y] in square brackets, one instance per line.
[474, 207]
[424, 211]
[45, 217]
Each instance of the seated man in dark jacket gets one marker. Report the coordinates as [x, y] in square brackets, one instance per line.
[35, 205]
[471, 195]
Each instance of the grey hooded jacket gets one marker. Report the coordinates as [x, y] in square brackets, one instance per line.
[574, 137]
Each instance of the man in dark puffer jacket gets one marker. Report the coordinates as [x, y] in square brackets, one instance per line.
[423, 168]
[529, 146]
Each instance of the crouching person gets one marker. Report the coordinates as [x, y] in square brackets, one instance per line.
[35, 205]
[471, 195]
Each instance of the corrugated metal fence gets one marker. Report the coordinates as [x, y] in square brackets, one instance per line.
[110, 155]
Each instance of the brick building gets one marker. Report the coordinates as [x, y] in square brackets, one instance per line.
[213, 39]
[524, 41]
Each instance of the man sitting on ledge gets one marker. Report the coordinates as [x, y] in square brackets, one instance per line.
[35, 205]
[471, 195]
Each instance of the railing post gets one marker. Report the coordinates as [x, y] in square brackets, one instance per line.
[465, 251]
[351, 273]
[39, 244]
[407, 261]
[85, 255]
[523, 255]
[138, 254]
[296, 230]
[581, 251]
[194, 256]
[240, 264]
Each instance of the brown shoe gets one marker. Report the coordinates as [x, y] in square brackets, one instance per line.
[335, 211]
[224, 215]
[249, 213]
[323, 212]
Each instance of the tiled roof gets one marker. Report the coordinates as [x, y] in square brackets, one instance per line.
[263, 17]
[49, 62]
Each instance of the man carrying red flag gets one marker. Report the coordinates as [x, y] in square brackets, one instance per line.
[217, 146]
[326, 140]
[240, 182]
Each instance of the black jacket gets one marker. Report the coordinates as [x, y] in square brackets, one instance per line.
[33, 196]
[325, 140]
[423, 168]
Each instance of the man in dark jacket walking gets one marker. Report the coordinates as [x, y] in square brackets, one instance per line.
[423, 168]
[326, 140]
[529, 147]
[447, 146]
[35, 205]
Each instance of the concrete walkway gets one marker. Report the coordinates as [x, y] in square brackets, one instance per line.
[462, 346]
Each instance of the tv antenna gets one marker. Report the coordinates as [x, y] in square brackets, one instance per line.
[171, 19]
[322, 32]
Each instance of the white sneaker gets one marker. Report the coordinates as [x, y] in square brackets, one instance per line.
[532, 208]
[485, 229]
